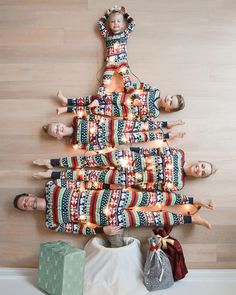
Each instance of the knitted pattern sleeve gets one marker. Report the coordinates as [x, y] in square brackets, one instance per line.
[102, 25]
[131, 24]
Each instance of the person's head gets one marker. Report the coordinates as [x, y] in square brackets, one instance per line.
[116, 22]
[173, 103]
[201, 169]
[25, 202]
[56, 130]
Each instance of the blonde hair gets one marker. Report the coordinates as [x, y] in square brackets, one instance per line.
[46, 128]
[213, 168]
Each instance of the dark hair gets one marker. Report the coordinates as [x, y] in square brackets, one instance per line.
[181, 103]
[15, 201]
[45, 128]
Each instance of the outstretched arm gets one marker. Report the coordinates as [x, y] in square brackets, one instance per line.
[102, 23]
[84, 228]
[129, 19]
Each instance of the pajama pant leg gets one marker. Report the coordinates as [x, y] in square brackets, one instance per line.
[81, 101]
[105, 109]
[99, 160]
[128, 215]
[90, 175]
[80, 111]
[124, 71]
[107, 76]
[144, 199]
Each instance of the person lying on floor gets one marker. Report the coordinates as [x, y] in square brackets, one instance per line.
[98, 133]
[144, 103]
[78, 211]
[163, 169]
[112, 26]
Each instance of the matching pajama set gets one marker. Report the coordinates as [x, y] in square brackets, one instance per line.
[120, 104]
[116, 59]
[145, 169]
[97, 133]
[71, 210]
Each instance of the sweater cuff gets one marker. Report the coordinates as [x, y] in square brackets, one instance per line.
[99, 230]
[164, 124]
[190, 200]
[135, 149]
[55, 162]
[106, 186]
[166, 135]
[187, 219]
[56, 175]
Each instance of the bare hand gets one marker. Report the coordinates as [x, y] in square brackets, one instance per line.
[176, 135]
[122, 9]
[111, 230]
[109, 11]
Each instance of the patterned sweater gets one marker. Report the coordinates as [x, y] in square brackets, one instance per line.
[146, 169]
[116, 44]
[122, 104]
[97, 133]
[72, 211]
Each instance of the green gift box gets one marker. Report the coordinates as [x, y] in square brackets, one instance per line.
[61, 269]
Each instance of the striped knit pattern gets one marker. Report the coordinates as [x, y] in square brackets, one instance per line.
[150, 169]
[120, 104]
[116, 44]
[97, 133]
[73, 211]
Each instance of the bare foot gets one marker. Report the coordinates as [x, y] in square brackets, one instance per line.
[61, 110]
[175, 123]
[62, 98]
[94, 104]
[46, 163]
[197, 219]
[176, 135]
[200, 203]
[43, 175]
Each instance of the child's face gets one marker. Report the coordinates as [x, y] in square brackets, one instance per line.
[56, 130]
[116, 22]
[170, 103]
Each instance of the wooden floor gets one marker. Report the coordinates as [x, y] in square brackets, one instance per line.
[184, 46]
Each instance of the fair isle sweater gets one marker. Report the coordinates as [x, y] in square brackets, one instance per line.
[116, 44]
[97, 133]
[68, 209]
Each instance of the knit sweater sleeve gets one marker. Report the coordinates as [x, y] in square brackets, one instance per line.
[162, 151]
[131, 23]
[150, 187]
[74, 228]
[145, 151]
[102, 25]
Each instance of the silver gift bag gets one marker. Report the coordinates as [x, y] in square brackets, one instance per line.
[157, 270]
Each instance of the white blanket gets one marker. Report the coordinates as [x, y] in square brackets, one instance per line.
[114, 271]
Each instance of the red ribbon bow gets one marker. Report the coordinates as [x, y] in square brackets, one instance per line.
[154, 248]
